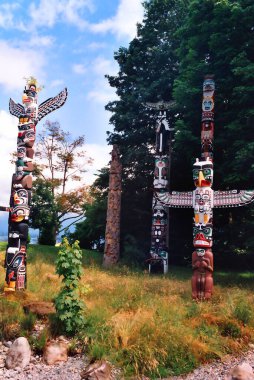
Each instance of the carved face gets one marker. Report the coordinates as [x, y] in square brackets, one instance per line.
[20, 197]
[20, 213]
[202, 236]
[159, 215]
[208, 86]
[203, 173]
[21, 152]
[200, 252]
[208, 104]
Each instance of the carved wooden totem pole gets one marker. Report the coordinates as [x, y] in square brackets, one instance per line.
[21, 187]
[112, 234]
[159, 236]
[203, 199]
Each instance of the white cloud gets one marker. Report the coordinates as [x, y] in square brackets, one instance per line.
[123, 24]
[48, 13]
[101, 156]
[7, 15]
[102, 92]
[79, 68]
[104, 66]
[41, 41]
[17, 63]
[97, 45]
[8, 138]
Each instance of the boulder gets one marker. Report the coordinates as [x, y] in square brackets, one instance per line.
[55, 351]
[100, 370]
[241, 372]
[19, 354]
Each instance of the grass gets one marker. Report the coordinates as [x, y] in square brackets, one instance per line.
[144, 324]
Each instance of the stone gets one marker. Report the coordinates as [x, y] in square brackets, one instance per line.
[19, 354]
[55, 352]
[100, 370]
[241, 372]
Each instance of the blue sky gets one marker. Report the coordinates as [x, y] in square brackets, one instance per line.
[63, 43]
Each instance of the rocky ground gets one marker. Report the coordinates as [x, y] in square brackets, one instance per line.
[72, 369]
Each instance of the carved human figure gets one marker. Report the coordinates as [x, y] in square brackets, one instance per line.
[202, 278]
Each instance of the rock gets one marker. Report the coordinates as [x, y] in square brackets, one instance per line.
[7, 344]
[19, 354]
[241, 372]
[55, 352]
[99, 370]
[40, 308]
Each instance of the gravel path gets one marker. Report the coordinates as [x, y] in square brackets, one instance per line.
[71, 369]
[218, 370]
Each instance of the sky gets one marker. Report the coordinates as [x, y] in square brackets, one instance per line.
[63, 43]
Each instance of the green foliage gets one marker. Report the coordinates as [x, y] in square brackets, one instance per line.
[11, 314]
[243, 312]
[92, 229]
[28, 322]
[38, 343]
[230, 328]
[69, 307]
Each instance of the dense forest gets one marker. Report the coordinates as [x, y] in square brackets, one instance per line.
[177, 44]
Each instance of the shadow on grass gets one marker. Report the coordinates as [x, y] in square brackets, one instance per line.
[234, 278]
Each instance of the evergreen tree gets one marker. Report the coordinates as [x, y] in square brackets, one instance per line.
[147, 69]
[217, 38]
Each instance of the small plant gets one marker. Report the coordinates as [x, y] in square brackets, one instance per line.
[243, 312]
[69, 306]
[27, 323]
[230, 329]
[38, 343]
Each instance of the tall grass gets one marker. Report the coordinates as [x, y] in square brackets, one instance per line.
[147, 324]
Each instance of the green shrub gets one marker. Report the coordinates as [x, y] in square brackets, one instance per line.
[69, 306]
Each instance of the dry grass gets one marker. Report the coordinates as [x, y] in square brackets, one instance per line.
[149, 325]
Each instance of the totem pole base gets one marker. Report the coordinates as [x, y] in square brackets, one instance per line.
[11, 287]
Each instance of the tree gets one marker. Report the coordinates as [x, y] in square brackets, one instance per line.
[176, 45]
[217, 38]
[147, 69]
[91, 231]
[62, 160]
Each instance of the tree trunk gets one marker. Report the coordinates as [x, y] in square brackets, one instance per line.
[112, 234]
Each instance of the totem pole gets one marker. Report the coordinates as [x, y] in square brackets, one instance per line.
[159, 235]
[21, 187]
[203, 199]
[112, 234]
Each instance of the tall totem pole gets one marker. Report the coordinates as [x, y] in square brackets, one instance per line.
[21, 187]
[159, 236]
[203, 199]
[112, 234]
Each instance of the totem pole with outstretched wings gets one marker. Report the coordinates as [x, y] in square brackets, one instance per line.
[203, 199]
[28, 113]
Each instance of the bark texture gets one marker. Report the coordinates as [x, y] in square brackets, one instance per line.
[112, 234]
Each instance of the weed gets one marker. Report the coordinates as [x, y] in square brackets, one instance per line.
[28, 321]
[243, 312]
[230, 328]
[38, 343]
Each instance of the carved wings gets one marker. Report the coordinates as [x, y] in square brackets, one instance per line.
[228, 198]
[16, 109]
[52, 104]
[44, 109]
[233, 198]
[175, 199]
